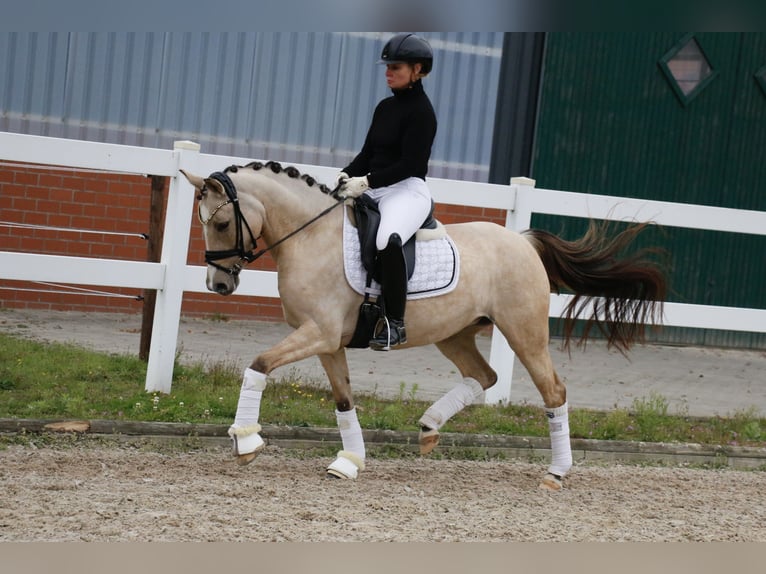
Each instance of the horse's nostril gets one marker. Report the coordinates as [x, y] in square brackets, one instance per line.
[222, 288]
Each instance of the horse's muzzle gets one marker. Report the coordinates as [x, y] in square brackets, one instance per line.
[221, 282]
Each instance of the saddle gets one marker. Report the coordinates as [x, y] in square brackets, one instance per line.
[367, 217]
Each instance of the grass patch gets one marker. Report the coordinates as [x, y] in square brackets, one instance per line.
[59, 381]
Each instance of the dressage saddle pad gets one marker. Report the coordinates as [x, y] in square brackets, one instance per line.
[437, 265]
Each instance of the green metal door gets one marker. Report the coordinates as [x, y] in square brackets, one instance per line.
[613, 119]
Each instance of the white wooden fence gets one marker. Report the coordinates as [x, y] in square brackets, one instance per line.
[171, 277]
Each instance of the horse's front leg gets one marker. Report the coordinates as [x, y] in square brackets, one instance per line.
[350, 460]
[306, 341]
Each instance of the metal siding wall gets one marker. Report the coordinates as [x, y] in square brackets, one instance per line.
[463, 90]
[32, 69]
[610, 123]
[294, 97]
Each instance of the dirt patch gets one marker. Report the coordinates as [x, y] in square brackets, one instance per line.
[94, 492]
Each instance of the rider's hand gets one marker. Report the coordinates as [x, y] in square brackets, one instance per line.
[353, 187]
[340, 178]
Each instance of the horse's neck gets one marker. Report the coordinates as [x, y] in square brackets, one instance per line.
[288, 207]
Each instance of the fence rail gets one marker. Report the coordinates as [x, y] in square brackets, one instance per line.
[171, 277]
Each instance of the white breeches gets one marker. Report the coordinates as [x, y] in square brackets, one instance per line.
[403, 208]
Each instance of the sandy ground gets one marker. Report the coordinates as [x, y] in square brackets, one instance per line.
[94, 492]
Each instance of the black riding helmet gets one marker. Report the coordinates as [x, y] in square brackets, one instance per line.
[408, 48]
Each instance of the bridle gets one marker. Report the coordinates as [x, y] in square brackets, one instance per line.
[245, 255]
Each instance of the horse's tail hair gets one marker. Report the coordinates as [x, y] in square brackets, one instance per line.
[617, 293]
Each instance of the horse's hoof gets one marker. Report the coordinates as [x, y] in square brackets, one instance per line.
[347, 465]
[552, 483]
[245, 459]
[428, 441]
[246, 448]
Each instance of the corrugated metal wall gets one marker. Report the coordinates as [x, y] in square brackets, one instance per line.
[610, 123]
[294, 97]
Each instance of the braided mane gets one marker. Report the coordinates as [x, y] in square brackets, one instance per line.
[276, 167]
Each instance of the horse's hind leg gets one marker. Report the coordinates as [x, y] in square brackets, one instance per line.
[531, 347]
[350, 460]
[478, 376]
[557, 411]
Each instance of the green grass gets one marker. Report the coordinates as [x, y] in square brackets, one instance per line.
[56, 381]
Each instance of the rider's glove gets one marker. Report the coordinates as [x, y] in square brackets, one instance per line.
[353, 187]
[340, 178]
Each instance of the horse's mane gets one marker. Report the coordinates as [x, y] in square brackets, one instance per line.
[276, 167]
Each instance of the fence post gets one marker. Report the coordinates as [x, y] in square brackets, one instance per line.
[501, 356]
[175, 249]
[154, 250]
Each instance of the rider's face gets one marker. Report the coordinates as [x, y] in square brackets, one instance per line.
[400, 75]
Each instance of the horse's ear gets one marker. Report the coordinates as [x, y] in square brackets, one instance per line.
[213, 185]
[195, 180]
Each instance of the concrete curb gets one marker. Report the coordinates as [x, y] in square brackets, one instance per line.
[455, 444]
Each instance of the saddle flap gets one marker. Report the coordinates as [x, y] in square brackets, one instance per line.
[367, 222]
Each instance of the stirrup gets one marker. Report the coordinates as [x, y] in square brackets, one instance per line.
[389, 334]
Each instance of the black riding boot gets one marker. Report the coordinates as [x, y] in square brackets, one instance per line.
[389, 332]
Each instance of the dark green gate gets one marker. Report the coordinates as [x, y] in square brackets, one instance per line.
[672, 117]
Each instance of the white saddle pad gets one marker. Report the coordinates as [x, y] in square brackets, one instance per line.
[437, 265]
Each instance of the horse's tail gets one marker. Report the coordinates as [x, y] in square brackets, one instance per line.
[626, 291]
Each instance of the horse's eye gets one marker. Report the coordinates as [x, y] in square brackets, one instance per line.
[222, 226]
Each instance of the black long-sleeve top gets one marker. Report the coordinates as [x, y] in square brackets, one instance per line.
[398, 143]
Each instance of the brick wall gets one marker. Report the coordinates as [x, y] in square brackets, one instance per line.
[77, 200]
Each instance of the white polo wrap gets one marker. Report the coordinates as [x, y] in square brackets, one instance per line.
[561, 449]
[351, 432]
[465, 393]
[249, 405]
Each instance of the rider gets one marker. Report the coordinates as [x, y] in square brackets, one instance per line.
[391, 169]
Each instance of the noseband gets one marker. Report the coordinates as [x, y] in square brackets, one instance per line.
[245, 255]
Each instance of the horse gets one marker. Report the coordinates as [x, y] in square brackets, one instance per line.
[505, 278]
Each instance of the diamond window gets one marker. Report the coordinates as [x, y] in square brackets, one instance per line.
[687, 69]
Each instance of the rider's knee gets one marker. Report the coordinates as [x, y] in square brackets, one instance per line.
[394, 240]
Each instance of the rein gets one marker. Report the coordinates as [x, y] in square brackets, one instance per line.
[245, 256]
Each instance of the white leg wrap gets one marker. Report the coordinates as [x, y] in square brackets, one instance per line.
[463, 394]
[561, 449]
[351, 459]
[244, 431]
[351, 432]
[249, 405]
